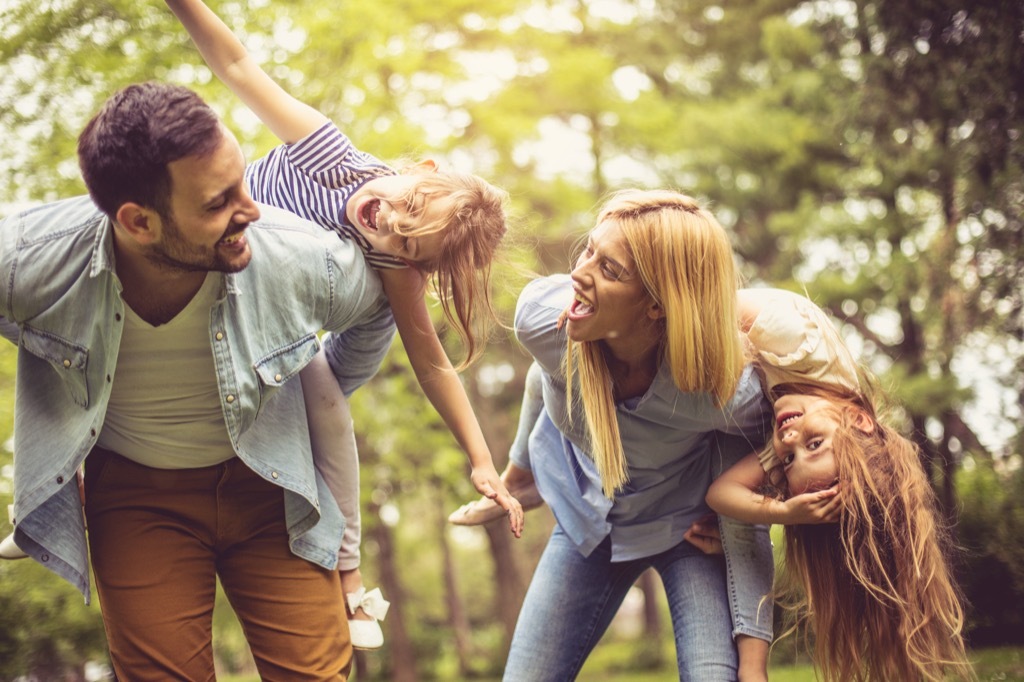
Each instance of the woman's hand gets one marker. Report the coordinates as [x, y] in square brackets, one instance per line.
[704, 535]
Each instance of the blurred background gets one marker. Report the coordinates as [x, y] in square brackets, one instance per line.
[867, 152]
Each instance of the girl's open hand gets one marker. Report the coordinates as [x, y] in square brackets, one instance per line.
[822, 506]
[489, 484]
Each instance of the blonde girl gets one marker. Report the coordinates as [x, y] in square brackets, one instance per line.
[410, 225]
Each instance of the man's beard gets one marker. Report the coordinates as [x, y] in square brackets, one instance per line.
[173, 252]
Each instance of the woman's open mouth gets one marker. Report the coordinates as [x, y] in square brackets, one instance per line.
[581, 307]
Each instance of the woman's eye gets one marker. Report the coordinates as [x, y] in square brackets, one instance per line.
[815, 444]
[787, 459]
[610, 271]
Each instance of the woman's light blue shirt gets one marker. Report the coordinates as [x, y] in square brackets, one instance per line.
[672, 442]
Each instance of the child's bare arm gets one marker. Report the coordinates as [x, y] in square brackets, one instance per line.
[288, 118]
[732, 495]
[441, 384]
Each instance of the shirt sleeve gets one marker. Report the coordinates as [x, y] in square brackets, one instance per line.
[536, 320]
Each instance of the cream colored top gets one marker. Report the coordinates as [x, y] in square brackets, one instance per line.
[795, 341]
[164, 409]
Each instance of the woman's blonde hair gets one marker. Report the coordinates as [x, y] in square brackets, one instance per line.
[875, 590]
[472, 231]
[685, 261]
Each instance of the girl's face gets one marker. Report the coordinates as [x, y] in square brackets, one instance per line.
[804, 426]
[382, 205]
[611, 301]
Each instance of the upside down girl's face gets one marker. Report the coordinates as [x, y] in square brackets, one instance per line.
[804, 426]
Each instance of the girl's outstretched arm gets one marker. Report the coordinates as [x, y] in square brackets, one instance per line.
[287, 117]
[405, 291]
[733, 495]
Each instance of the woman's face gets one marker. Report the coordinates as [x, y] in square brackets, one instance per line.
[804, 426]
[611, 302]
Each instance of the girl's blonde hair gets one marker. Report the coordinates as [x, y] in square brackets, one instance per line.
[472, 231]
[685, 261]
[875, 589]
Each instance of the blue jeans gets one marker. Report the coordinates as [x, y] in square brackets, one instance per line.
[572, 600]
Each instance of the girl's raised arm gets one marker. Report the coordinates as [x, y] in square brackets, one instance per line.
[287, 117]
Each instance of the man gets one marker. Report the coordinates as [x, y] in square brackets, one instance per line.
[158, 325]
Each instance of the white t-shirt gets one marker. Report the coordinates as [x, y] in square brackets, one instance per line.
[164, 409]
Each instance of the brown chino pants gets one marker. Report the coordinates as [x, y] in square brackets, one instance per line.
[158, 538]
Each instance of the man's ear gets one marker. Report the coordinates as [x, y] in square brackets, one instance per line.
[141, 223]
[863, 421]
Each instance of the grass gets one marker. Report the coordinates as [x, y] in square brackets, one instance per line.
[1003, 664]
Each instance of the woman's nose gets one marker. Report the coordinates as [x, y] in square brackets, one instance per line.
[788, 435]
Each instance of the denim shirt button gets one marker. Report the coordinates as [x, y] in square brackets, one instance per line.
[277, 377]
[220, 336]
[230, 398]
[60, 479]
[273, 475]
[67, 363]
[44, 557]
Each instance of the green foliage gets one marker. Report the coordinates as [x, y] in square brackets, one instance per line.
[992, 559]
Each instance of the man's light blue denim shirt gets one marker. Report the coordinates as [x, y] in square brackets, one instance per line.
[675, 444]
[60, 301]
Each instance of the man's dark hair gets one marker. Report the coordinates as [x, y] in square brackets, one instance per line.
[124, 150]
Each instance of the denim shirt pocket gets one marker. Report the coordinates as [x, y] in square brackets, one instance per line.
[69, 360]
[284, 363]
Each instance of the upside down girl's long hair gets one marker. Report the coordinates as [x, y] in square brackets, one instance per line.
[685, 261]
[875, 590]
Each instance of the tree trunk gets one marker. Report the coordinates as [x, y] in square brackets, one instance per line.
[457, 619]
[401, 654]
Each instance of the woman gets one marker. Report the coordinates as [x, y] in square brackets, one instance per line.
[647, 369]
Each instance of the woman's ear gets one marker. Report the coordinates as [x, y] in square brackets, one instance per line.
[655, 311]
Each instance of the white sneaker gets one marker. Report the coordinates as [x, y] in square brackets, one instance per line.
[9, 550]
[366, 634]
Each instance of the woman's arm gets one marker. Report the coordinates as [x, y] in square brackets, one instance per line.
[440, 383]
[732, 495]
[287, 117]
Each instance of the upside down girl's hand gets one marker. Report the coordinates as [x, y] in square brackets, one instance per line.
[822, 506]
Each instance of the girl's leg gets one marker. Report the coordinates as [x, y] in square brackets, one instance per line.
[569, 605]
[517, 476]
[750, 568]
[336, 458]
[696, 590]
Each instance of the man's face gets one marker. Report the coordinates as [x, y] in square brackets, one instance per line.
[210, 208]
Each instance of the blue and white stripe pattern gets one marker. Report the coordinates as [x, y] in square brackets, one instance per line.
[314, 178]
